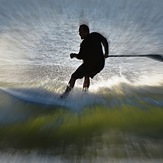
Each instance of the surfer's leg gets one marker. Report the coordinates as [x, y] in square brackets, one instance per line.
[86, 83]
[70, 86]
[78, 74]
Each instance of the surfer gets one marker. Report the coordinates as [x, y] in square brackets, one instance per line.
[91, 52]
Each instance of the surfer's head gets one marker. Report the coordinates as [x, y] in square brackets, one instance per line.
[83, 31]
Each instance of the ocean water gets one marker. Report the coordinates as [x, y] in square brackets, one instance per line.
[120, 118]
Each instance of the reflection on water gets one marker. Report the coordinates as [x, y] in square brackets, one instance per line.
[46, 32]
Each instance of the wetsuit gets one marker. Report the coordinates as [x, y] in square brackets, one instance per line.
[92, 55]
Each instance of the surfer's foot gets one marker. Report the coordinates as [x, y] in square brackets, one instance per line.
[66, 93]
[86, 84]
[85, 89]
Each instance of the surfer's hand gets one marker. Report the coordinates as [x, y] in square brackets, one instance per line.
[106, 55]
[72, 55]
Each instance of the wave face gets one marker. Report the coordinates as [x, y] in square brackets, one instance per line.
[106, 94]
[118, 120]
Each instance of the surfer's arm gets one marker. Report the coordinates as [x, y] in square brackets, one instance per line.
[80, 54]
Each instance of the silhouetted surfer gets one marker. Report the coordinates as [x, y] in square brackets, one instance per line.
[91, 52]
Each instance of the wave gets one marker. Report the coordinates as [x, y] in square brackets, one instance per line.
[120, 115]
[20, 103]
[76, 100]
[61, 127]
[100, 92]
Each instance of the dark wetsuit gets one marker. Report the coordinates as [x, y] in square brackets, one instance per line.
[92, 55]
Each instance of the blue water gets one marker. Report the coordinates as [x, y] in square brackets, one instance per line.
[36, 38]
